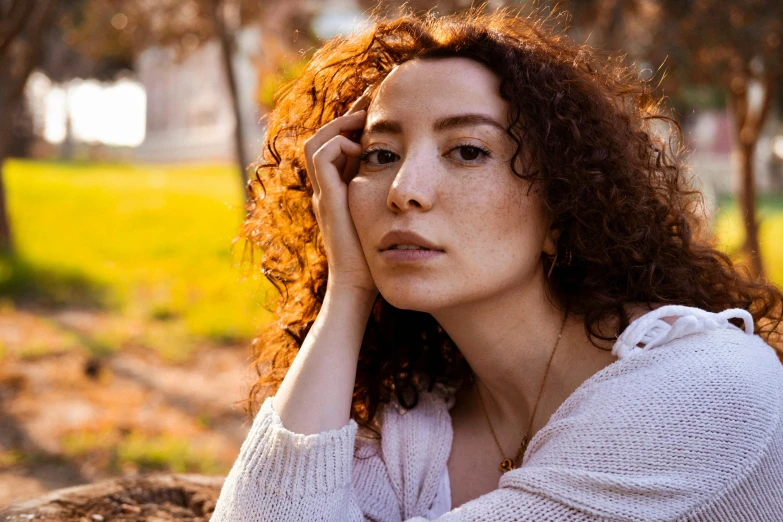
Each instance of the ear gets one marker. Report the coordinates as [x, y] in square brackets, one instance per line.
[550, 240]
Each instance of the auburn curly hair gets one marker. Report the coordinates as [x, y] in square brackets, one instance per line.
[591, 136]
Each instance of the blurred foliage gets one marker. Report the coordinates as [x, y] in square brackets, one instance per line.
[690, 97]
[270, 84]
[287, 42]
[36, 350]
[162, 452]
[738, 45]
[120, 451]
[123, 28]
[151, 243]
[715, 41]
[10, 458]
[729, 230]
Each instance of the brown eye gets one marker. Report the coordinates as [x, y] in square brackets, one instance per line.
[385, 156]
[469, 153]
[378, 157]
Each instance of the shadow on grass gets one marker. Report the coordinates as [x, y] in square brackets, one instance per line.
[29, 285]
[50, 470]
[765, 202]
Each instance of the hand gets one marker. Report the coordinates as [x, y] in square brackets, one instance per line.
[332, 159]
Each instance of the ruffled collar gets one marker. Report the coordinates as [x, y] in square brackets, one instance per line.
[650, 330]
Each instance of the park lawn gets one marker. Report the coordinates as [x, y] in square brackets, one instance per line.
[153, 243]
[150, 242]
[730, 232]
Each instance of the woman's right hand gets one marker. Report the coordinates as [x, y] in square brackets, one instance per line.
[328, 153]
[316, 393]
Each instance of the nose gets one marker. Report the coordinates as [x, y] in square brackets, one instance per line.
[414, 184]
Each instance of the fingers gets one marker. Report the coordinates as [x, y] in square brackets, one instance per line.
[344, 124]
[329, 162]
[348, 123]
[361, 103]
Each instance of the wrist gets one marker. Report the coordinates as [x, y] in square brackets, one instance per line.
[362, 298]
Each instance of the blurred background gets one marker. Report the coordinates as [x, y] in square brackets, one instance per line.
[125, 130]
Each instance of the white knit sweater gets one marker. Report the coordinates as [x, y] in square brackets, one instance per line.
[684, 426]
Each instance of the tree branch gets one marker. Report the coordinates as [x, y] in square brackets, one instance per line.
[17, 18]
[768, 84]
[34, 50]
[739, 106]
[226, 38]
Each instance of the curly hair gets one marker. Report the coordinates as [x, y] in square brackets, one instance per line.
[591, 137]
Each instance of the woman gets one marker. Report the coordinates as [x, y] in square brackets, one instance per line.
[494, 207]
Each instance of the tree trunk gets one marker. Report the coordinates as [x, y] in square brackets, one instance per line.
[226, 38]
[161, 498]
[28, 27]
[8, 110]
[6, 242]
[748, 125]
[751, 245]
[13, 22]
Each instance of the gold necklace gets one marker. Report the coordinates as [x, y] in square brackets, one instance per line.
[508, 464]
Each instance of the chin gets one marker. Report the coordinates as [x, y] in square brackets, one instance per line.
[406, 302]
[412, 296]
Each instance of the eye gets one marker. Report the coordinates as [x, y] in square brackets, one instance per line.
[469, 153]
[378, 156]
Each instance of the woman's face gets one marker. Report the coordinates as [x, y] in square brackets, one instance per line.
[436, 172]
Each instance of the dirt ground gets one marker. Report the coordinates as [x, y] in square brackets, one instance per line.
[151, 498]
[62, 412]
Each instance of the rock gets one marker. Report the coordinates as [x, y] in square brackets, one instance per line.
[161, 498]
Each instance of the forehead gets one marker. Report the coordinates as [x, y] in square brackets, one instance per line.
[431, 88]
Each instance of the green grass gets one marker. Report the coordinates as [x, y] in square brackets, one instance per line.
[142, 451]
[153, 243]
[48, 286]
[148, 241]
[162, 452]
[730, 231]
[11, 458]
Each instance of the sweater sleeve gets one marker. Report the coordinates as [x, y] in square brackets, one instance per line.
[336, 475]
[284, 476]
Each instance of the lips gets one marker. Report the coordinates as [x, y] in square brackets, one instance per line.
[406, 240]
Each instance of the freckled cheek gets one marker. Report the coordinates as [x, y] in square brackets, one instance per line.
[500, 233]
[365, 203]
[496, 224]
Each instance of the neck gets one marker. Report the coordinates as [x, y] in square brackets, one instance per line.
[507, 341]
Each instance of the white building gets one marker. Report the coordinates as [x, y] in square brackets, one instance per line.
[189, 115]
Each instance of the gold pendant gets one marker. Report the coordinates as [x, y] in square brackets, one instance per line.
[507, 465]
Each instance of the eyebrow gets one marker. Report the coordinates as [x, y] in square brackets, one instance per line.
[449, 122]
